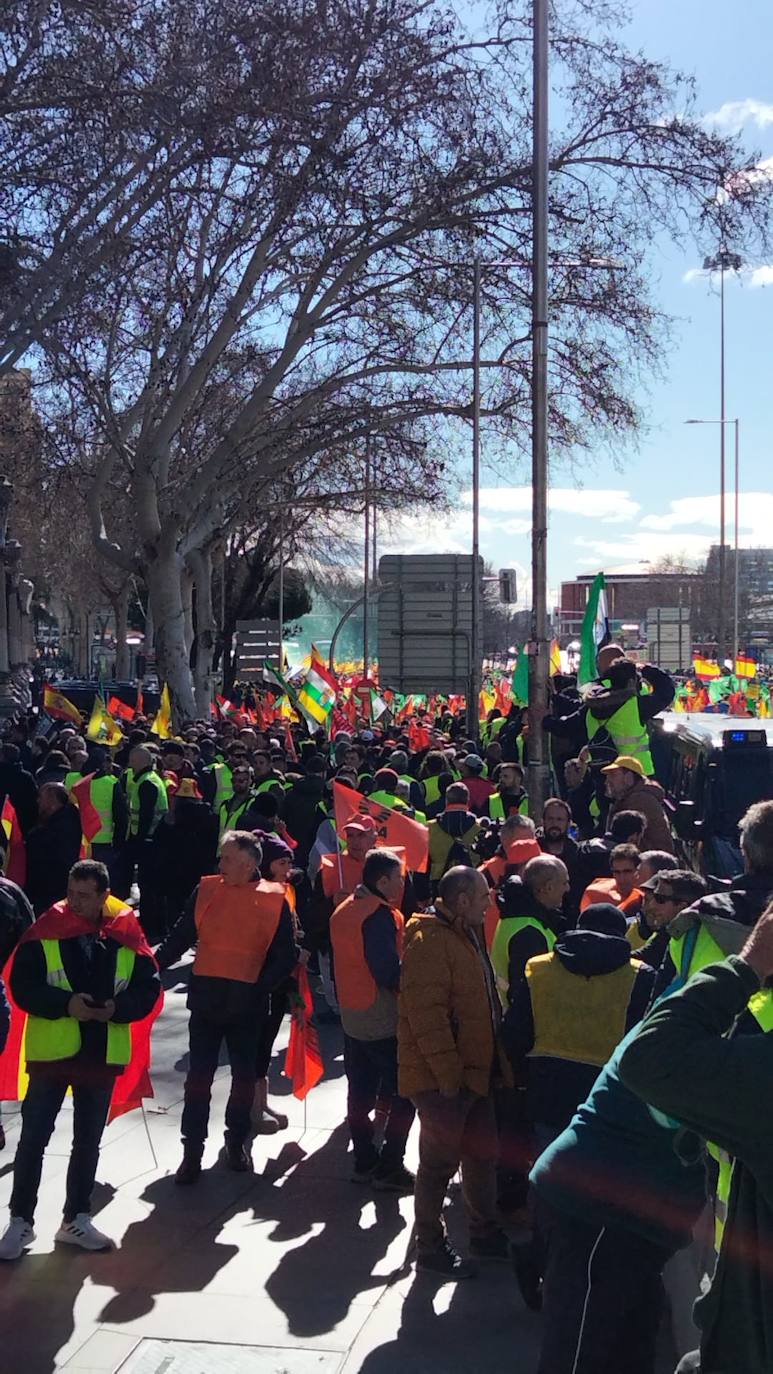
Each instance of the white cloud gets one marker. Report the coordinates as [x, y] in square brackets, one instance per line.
[755, 515]
[731, 117]
[762, 276]
[609, 505]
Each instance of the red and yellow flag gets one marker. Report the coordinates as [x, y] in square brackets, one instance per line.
[59, 707]
[15, 865]
[91, 821]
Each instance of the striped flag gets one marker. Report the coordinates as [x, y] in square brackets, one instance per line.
[595, 629]
[317, 696]
[59, 707]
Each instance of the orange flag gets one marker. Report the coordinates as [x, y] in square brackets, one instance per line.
[303, 1060]
[392, 827]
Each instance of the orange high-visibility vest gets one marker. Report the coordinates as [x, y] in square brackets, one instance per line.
[340, 873]
[236, 926]
[355, 985]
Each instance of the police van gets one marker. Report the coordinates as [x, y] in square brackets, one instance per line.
[712, 768]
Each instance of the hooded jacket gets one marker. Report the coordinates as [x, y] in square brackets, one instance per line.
[589, 1021]
[603, 701]
[727, 916]
[647, 796]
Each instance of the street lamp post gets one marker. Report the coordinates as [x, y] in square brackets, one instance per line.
[723, 261]
[736, 487]
[538, 662]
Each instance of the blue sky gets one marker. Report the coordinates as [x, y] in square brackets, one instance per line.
[666, 498]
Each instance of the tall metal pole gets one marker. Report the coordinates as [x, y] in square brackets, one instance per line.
[281, 598]
[538, 778]
[373, 514]
[366, 567]
[473, 723]
[721, 645]
[735, 546]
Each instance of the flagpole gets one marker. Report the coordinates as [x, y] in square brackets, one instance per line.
[366, 569]
[281, 607]
[538, 776]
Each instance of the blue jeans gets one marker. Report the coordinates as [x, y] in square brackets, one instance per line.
[40, 1109]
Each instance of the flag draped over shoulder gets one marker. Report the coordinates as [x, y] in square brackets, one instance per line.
[59, 923]
[60, 707]
[101, 727]
[595, 629]
[392, 827]
[161, 724]
[91, 821]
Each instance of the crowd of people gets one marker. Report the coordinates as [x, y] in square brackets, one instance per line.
[573, 1018]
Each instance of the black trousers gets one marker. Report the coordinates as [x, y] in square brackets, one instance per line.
[371, 1071]
[602, 1299]
[39, 1111]
[277, 1006]
[205, 1039]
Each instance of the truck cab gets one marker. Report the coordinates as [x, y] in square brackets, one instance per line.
[712, 769]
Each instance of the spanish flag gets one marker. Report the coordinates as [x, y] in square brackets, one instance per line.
[162, 721]
[15, 865]
[60, 707]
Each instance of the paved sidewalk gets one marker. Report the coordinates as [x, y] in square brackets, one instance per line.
[289, 1270]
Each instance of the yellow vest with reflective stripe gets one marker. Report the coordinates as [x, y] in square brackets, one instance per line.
[133, 786]
[431, 789]
[101, 797]
[500, 948]
[496, 807]
[223, 785]
[47, 1040]
[761, 1008]
[706, 951]
[628, 734]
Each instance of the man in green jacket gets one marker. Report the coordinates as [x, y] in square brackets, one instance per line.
[691, 1061]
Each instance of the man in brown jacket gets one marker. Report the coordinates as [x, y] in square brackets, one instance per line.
[448, 1049]
[630, 790]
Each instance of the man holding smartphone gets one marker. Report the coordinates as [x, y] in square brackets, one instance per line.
[82, 973]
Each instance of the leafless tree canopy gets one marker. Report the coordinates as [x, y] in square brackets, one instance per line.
[242, 243]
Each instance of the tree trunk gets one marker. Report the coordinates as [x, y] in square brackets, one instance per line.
[121, 611]
[206, 629]
[186, 586]
[228, 665]
[163, 575]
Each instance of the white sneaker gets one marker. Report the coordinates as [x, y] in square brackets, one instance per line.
[18, 1235]
[84, 1233]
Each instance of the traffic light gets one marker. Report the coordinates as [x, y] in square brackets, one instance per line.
[508, 586]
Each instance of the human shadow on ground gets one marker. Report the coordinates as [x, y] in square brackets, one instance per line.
[478, 1326]
[37, 1299]
[315, 1284]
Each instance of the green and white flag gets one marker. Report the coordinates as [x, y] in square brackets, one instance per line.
[595, 629]
[272, 675]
